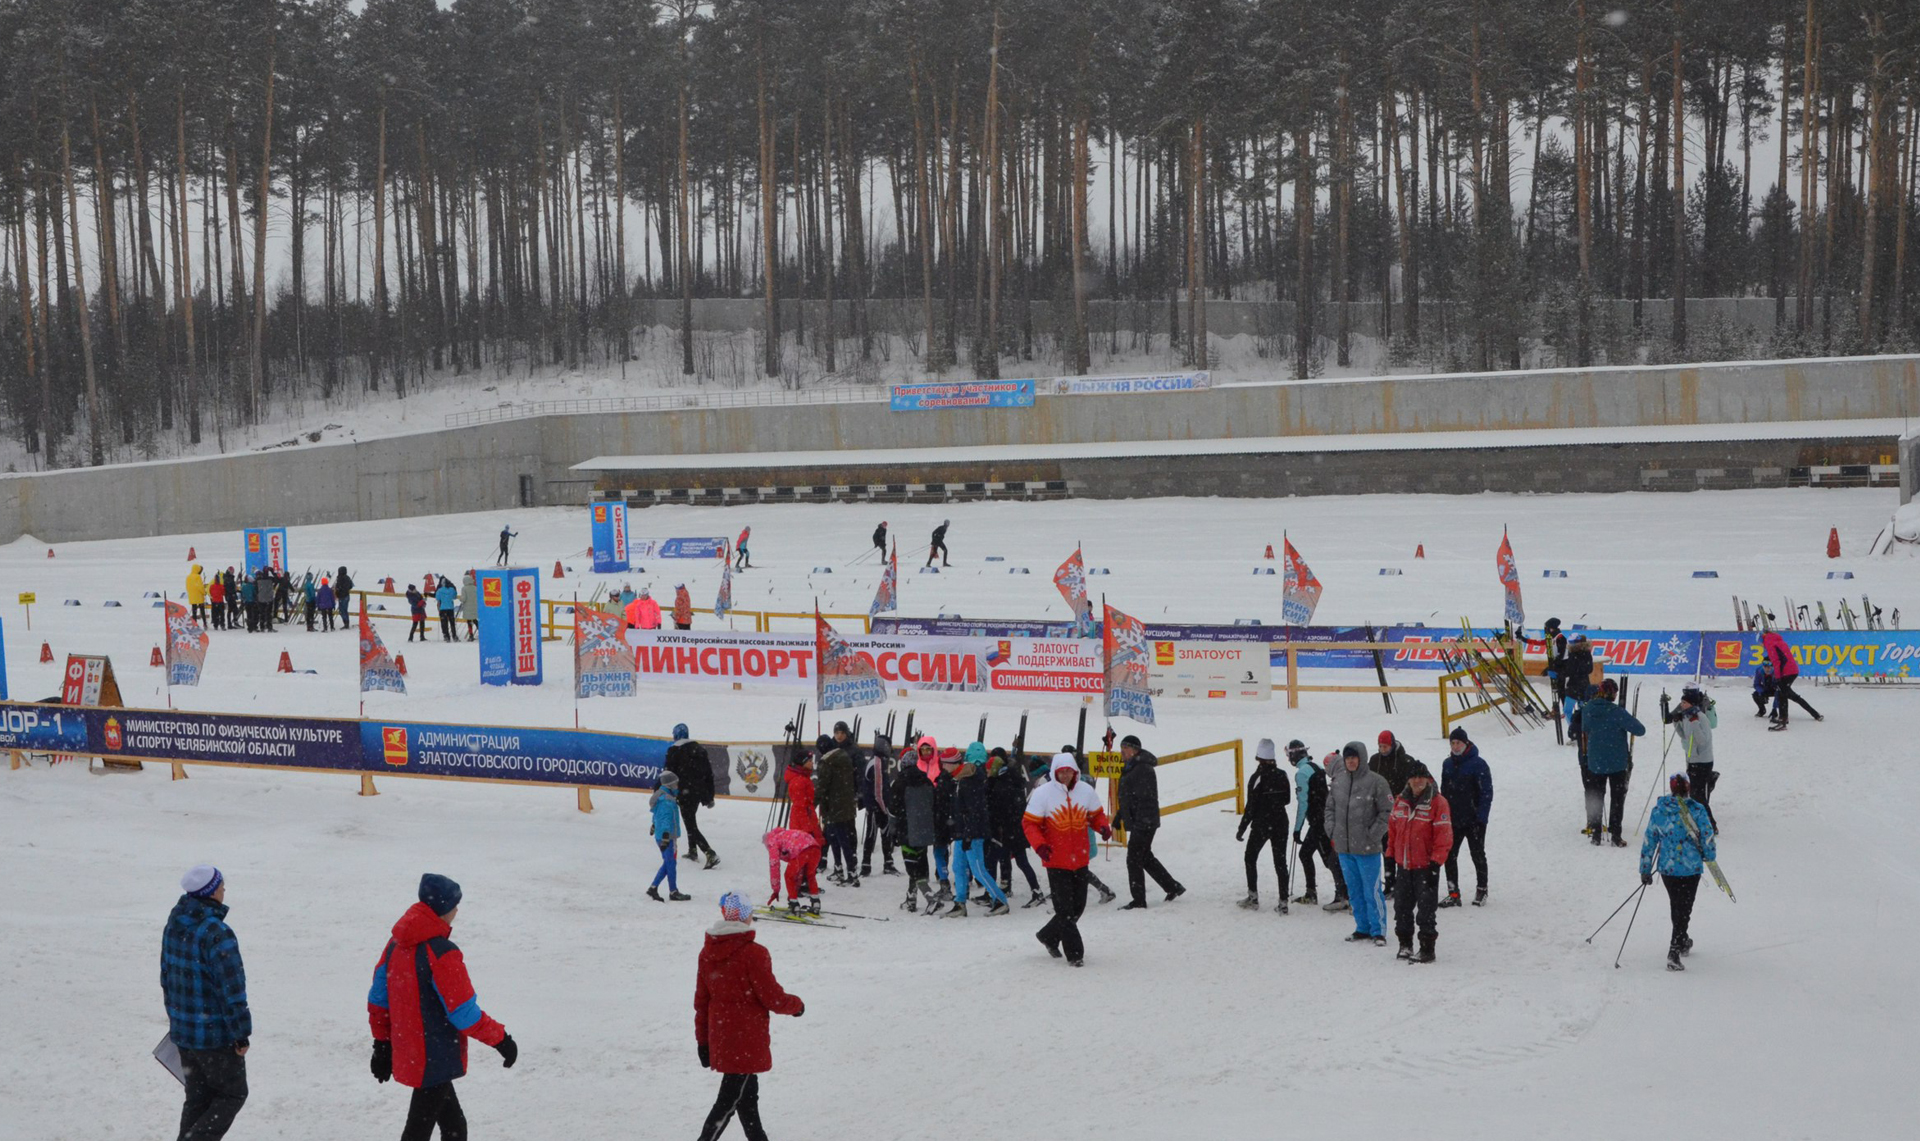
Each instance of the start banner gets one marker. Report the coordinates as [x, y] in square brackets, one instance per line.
[609, 536]
[264, 547]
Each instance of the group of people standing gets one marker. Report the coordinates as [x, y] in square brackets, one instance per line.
[226, 600]
[455, 605]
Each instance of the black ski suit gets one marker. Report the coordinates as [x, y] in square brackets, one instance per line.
[1140, 816]
[939, 546]
[1264, 822]
[690, 761]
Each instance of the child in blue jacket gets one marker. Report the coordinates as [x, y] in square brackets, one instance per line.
[1680, 840]
[666, 833]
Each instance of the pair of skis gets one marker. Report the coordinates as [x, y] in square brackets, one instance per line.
[809, 919]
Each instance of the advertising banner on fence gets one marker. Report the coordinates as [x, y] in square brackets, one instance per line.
[609, 533]
[510, 651]
[935, 396]
[699, 547]
[703, 657]
[1234, 671]
[265, 547]
[1126, 385]
[546, 756]
[1821, 653]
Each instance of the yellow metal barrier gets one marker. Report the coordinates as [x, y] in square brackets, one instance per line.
[1106, 766]
[1488, 699]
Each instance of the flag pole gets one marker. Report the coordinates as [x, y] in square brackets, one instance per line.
[576, 657]
[166, 649]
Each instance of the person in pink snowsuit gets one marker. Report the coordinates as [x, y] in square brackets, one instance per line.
[801, 851]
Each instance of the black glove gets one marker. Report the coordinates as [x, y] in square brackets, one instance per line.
[509, 1052]
[382, 1061]
[705, 1061]
[1646, 879]
[1240, 835]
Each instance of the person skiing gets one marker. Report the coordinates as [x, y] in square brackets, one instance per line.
[876, 778]
[690, 763]
[1420, 836]
[939, 544]
[1678, 841]
[1764, 688]
[417, 611]
[1007, 841]
[1358, 807]
[1310, 827]
[1604, 728]
[343, 591]
[506, 537]
[422, 1010]
[469, 606]
[972, 821]
[880, 540]
[734, 992]
[682, 608]
[1786, 670]
[643, 613]
[323, 598]
[1266, 817]
[1694, 721]
[1056, 821]
[446, 597]
[741, 560]
[664, 806]
[1139, 805]
[197, 594]
[801, 814]
[204, 985]
[1393, 763]
[801, 851]
[838, 787]
[1467, 785]
[910, 815]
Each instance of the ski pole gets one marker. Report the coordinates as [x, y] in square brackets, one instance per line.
[1616, 911]
[1293, 852]
[1640, 895]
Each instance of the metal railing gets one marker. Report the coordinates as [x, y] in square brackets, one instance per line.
[673, 402]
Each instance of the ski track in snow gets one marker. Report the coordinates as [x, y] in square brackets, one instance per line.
[1192, 1019]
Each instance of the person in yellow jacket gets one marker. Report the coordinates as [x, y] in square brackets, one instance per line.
[197, 593]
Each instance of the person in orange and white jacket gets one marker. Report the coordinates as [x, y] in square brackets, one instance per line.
[1056, 823]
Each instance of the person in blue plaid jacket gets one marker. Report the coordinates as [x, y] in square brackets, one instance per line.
[205, 986]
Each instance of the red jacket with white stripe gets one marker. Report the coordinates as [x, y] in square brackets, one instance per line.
[1420, 831]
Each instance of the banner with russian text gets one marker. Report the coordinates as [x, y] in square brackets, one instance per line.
[1510, 578]
[602, 661]
[510, 649]
[723, 602]
[888, 596]
[609, 533]
[846, 679]
[378, 671]
[1124, 650]
[1070, 579]
[1300, 595]
[186, 646]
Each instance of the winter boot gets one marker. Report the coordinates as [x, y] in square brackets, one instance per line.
[1480, 896]
[890, 869]
[713, 861]
[1673, 960]
[1311, 899]
[793, 907]
[1453, 898]
[945, 893]
[1339, 903]
[999, 908]
[1776, 727]
[1406, 948]
[1618, 842]
[1281, 907]
[1106, 894]
[852, 881]
[678, 896]
[1426, 949]
[1052, 948]
[1251, 903]
[1686, 946]
[1599, 836]
[1359, 937]
[836, 876]
[691, 855]
[1135, 905]
[653, 893]
[813, 905]
[1178, 891]
[957, 911]
[912, 902]
[866, 870]
[1039, 897]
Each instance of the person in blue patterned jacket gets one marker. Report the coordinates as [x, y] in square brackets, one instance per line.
[1679, 841]
[205, 986]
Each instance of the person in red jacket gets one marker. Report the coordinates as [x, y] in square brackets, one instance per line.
[1786, 670]
[734, 994]
[1419, 836]
[423, 1010]
[803, 816]
[801, 851]
[1058, 815]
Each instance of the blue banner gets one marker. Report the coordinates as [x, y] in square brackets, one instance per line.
[544, 756]
[609, 536]
[963, 394]
[265, 547]
[510, 651]
[3, 661]
[685, 548]
[1821, 653]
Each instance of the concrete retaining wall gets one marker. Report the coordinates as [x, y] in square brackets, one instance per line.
[481, 468]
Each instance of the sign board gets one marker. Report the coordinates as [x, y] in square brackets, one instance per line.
[609, 536]
[1233, 671]
[1127, 385]
[683, 548]
[27, 598]
[510, 652]
[89, 681]
[936, 396]
[265, 547]
[1104, 766]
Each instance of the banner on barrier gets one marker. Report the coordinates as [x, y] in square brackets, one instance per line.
[602, 663]
[1234, 671]
[703, 547]
[510, 651]
[1821, 653]
[935, 396]
[609, 533]
[544, 756]
[265, 547]
[1127, 385]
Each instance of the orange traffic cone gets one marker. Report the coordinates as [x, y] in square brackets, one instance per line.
[1833, 542]
[1269, 550]
[156, 659]
[558, 570]
[190, 555]
[400, 663]
[49, 552]
[46, 652]
[1420, 551]
[286, 663]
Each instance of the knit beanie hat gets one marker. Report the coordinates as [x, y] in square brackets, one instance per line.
[201, 881]
[1386, 739]
[1264, 750]
[439, 893]
[735, 907]
[670, 780]
[1459, 735]
[680, 731]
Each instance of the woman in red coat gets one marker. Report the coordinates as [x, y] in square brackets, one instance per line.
[800, 797]
[735, 993]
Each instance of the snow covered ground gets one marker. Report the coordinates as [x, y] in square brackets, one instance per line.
[1191, 1019]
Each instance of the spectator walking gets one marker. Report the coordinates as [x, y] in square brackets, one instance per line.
[733, 994]
[204, 984]
[1140, 818]
[1058, 815]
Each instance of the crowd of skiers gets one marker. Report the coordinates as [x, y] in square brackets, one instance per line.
[257, 602]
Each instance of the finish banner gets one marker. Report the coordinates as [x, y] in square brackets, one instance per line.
[509, 626]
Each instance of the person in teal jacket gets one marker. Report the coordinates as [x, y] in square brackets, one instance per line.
[1606, 727]
[666, 834]
[1679, 842]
